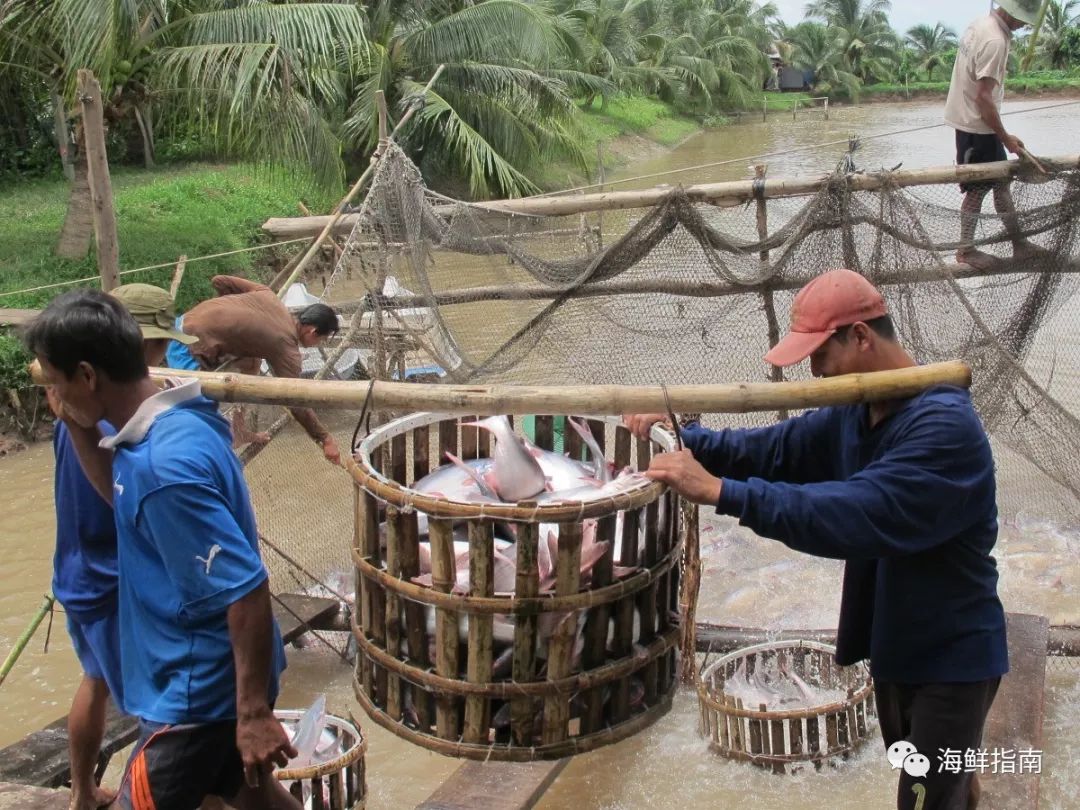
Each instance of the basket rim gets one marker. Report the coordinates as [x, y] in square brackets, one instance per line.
[386, 489]
[709, 697]
[343, 760]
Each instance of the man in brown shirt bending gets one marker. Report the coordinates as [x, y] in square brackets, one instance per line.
[248, 323]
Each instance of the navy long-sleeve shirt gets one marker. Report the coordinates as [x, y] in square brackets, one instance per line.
[909, 504]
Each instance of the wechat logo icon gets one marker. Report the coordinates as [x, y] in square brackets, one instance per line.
[902, 754]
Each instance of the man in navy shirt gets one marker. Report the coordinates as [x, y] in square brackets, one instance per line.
[85, 567]
[904, 492]
[200, 651]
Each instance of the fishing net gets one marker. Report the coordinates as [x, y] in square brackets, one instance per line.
[691, 292]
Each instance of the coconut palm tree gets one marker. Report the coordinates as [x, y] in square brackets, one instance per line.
[1052, 46]
[929, 45]
[504, 103]
[815, 48]
[254, 77]
[867, 41]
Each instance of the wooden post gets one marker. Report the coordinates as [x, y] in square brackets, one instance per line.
[601, 177]
[794, 107]
[178, 276]
[384, 117]
[826, 108]
[108, 248]
[764, 108]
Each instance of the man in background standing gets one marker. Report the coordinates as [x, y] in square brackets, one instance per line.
[973, 109]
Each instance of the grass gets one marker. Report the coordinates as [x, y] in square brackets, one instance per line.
[198, 209]
[636, 115]
[781, 102]
[1042, 80]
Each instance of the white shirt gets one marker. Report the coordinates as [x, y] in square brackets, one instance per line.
[983, 52]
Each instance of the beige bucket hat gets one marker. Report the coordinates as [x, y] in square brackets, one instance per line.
[154, 310]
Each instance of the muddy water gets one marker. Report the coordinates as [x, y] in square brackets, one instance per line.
[746, 579]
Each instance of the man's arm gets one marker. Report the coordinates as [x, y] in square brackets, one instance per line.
[259, 736]
[287, 363]
[915, 497]
[988, 111]
[234, 285]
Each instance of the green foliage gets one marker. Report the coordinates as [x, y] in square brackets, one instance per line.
[193, 210]
[14, 359]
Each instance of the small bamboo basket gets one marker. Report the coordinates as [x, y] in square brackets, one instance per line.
[343, 776]
[783, 739]
[620, 678]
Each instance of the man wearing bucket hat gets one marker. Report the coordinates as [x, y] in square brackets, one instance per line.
[201, 654]
[904, 492]
[85, 565]
[973, 109]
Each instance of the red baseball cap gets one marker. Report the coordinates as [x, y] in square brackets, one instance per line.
[832, 300]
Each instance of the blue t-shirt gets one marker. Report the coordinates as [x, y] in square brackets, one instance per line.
[910, 504]
[84, 565]
[188, 550]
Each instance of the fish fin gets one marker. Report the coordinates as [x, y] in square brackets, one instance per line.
[622, 571]
[473, 474]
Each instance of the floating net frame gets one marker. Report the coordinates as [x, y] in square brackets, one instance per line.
[454, 713]
[781, 739]
[345, 775]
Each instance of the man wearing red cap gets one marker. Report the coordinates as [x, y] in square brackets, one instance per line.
[904, 492]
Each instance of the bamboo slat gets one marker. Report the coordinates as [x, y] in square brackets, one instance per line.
[527, 584]
[392, 614]
[447, 715]
[561, 645]
[481, 583]
[415, 617]
[594, 652]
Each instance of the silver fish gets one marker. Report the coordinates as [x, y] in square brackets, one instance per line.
[517, 474]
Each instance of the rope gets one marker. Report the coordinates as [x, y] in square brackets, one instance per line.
[787, 151]
[152, 267]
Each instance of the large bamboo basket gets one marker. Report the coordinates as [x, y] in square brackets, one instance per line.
[783, 739]
[451, 703]
[343, 776]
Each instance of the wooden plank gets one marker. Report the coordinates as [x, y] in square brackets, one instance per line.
[17, 317]
[494, 786]
[41, 757]
[1015, 721]
[314, 610]
[14, 796]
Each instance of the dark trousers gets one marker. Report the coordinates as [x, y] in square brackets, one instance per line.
[934, 717]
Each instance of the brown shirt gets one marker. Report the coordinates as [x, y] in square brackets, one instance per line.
[248, 322]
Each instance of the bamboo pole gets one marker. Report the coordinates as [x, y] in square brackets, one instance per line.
[527, 584]
[586, 400]
[313, 248]
[97, 160]
[776, 373]
[697, 289]
[24, 638]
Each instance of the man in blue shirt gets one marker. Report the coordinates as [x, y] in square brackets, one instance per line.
[85, 567]
[200, 651]
[904, 492]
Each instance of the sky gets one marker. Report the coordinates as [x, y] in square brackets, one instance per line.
[955, 14]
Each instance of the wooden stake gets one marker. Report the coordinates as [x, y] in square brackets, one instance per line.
[178, 276]
[108, 247]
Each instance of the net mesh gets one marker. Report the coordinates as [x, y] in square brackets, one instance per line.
[689, 292]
